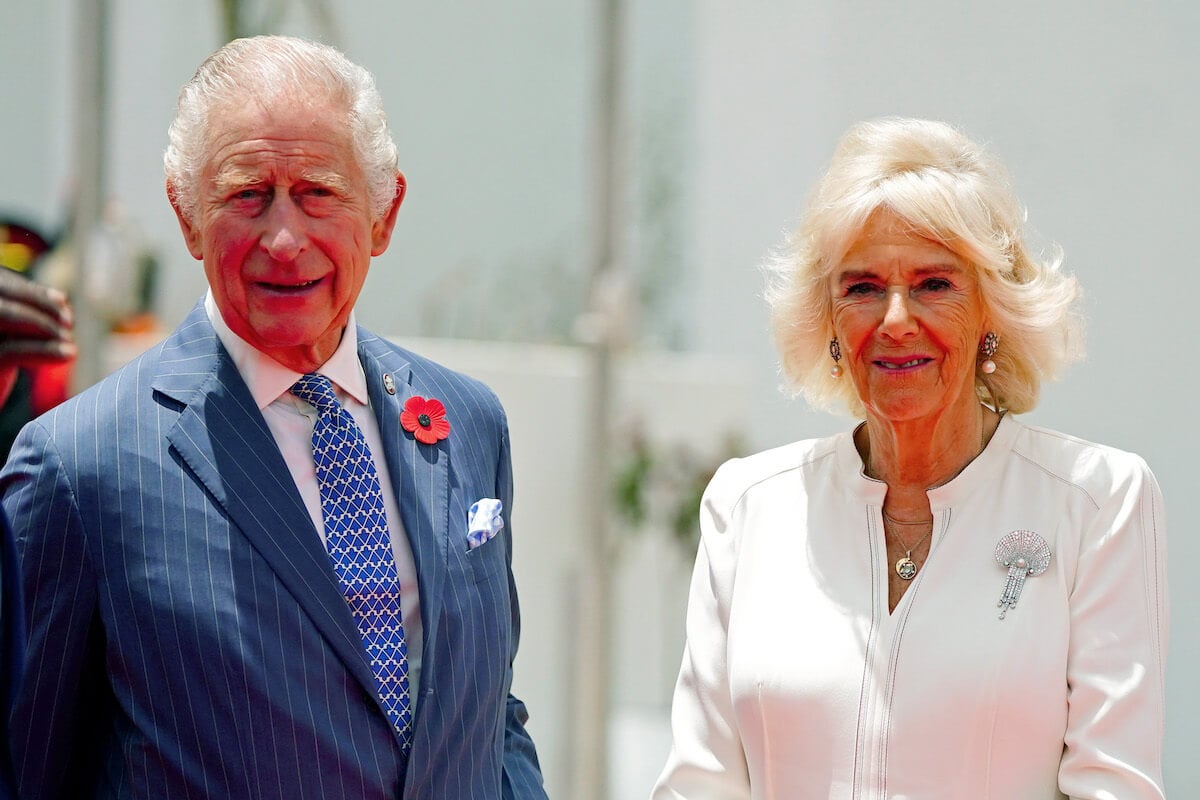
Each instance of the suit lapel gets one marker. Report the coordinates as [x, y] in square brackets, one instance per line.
[420, 476]
[222, 437]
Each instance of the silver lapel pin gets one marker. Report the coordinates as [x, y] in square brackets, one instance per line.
[1024, 554]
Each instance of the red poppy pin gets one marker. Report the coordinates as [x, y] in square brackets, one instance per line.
[425, 419]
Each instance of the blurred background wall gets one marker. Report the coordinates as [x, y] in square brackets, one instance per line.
[729, 113]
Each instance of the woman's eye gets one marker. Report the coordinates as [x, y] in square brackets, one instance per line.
[936, 285]
[862, 287]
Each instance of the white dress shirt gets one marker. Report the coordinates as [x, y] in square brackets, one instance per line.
[291, 421]
[798, 684]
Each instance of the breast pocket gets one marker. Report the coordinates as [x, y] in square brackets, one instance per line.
[487, 561]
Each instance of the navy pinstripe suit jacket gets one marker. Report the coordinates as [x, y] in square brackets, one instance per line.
[187, 636]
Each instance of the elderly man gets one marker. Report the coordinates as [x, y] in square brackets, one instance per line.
[271, 558]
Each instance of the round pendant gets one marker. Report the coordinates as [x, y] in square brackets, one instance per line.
[906, 568]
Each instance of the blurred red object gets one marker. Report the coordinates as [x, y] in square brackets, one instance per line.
[50, 384]
[21, 248]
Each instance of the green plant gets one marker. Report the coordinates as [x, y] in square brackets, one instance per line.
[658, 487]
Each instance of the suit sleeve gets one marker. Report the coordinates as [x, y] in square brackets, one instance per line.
[53, 721]
[522, 773]
[12, 650]
[707, 761]
[1115, 695]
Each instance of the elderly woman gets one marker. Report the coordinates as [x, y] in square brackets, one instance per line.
[944, 602]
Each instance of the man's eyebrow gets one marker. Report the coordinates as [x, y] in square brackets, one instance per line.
[231, 178]
[328, 178]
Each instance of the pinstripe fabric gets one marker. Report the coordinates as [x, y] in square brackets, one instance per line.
[12, 654]
[359, 545]
[188, 638]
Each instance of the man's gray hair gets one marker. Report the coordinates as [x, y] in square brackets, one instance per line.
[269, 67]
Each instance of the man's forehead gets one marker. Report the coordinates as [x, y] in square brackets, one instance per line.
[279, 122]
[297, 144]
[237, 171]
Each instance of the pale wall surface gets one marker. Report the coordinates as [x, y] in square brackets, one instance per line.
[664, 397]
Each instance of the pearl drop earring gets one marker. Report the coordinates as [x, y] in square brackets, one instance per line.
[987, 349]
[835, 352]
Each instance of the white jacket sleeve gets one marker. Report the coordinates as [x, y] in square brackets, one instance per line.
[1118, 601]
[706, 761]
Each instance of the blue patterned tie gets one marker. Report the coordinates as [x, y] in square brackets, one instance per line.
[356, 536]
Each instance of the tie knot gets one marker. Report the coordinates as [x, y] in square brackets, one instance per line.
[318, 391]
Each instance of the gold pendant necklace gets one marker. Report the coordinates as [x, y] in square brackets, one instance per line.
[906, 568]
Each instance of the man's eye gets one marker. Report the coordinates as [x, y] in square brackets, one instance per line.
[248, 194]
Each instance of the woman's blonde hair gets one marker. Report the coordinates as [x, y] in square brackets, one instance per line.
[954, 192]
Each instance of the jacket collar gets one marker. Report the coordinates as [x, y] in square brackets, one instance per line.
[223, 439]
[420, 474]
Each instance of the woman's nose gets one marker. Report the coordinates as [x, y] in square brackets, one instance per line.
[898, 320]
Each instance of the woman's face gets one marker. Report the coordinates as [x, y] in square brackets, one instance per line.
[909, 318]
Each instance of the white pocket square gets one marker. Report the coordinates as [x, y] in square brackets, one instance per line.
[483, 521]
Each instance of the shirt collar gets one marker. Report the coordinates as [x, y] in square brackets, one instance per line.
[268, 380]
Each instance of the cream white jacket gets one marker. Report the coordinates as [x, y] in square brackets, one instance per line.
[797, 683]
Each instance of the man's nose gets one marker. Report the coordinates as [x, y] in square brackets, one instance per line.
[284, 237]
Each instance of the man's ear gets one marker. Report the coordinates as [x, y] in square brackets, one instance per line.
[191, 234]
[381, 230]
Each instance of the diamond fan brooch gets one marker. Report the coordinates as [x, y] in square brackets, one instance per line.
[1024, 554]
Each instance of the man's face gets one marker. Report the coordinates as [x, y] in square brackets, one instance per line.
[284, 227]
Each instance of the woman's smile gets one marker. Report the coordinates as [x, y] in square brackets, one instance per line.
[892, 365]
